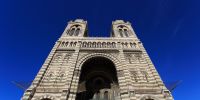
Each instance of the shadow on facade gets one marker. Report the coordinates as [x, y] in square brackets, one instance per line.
[98, 80]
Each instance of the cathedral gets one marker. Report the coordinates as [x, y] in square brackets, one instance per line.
[97, 68]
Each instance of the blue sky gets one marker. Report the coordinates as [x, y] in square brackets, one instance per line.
[169, 30]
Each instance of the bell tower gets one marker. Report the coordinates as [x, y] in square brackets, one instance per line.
[77, 28]
[122, 29]
[80, 67]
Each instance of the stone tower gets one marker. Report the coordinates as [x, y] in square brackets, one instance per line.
[104, 68]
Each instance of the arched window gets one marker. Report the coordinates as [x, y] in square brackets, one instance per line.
[94, 45]
[74, 30]
[77, 31]
[63, 44]
[74, 44]
[99, 44]
[123, 31]
[126, 32]
[85, 44]
[66, 44]
[89, 44]
[120, 32]
[71, 44]
[71, 32]
[113, 44]
[104, 45]
[109, 45]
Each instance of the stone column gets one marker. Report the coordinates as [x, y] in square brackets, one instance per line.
[125, 79]
[72, 78]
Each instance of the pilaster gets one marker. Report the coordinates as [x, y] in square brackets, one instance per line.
[31, 90]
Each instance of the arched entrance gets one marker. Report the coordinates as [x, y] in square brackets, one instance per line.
[98, 80]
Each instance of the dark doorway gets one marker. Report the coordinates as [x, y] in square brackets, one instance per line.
[45, 99]
[96, 73]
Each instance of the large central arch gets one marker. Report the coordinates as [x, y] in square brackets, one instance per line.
[98, 79]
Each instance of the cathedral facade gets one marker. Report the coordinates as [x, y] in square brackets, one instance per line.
[98, 68]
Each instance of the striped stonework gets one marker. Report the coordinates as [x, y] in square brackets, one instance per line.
[98, 68]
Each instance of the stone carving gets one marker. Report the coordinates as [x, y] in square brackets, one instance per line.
[48, 78]
[132, 58]
[57, 58]
[145, 76]
[60, 58]
[59, 77]
[66, 58]
[134, 75]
